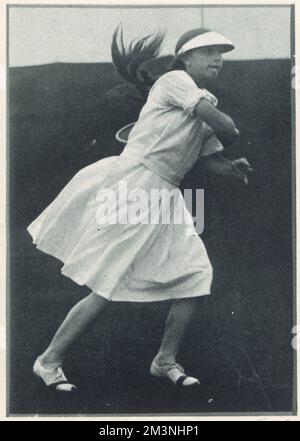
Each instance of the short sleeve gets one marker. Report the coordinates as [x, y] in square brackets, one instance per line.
[211, 143]
[177, 88]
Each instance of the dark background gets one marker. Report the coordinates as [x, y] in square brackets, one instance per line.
[63, 117]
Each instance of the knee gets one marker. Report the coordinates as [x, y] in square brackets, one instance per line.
[196, 303]
[96, 302]
[186, 307]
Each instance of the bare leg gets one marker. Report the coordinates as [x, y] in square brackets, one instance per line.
[180, 315]
[80, 317]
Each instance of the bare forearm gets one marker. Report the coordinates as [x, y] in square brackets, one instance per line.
[222, 124]
[223, 167]
[218, 164]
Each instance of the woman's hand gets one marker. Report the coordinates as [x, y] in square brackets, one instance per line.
[221, 123]
[238, 168]
[241, 169]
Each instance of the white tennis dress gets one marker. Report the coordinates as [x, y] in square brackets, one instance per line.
[136, 261]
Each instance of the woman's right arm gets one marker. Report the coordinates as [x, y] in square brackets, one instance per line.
[176, 88]
[222, 124]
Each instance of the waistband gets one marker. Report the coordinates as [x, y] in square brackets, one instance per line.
[156, 168]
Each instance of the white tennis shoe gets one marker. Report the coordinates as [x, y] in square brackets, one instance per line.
[174, 372]
[53, 377]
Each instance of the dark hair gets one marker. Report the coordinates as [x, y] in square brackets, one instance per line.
[176, 64]
[129, 61]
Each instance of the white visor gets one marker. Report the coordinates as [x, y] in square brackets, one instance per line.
[208, 39]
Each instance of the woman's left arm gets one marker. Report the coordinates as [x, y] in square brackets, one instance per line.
[221, 166]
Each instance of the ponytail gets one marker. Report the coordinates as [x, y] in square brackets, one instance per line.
[129, 61]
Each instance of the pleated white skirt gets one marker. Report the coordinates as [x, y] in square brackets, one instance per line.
[142, 262]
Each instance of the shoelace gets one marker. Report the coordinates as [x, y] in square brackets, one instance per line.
[176, 366]
[58, 373]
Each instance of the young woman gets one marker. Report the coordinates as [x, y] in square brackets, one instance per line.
[139, 261]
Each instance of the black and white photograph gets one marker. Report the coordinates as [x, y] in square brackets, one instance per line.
[151, 209]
